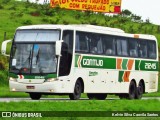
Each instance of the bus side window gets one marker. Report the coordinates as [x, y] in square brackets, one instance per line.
[96, 46]
[152, 49]
[77, 43]
[100, 47]
[122, 48]
[109, 45]
[81, 42]
[142, 50]
[133, 48]
[93, 45]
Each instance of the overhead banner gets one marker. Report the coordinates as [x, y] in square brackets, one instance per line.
[106, 6]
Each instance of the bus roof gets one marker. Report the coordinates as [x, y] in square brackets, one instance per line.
[91, 28]
[82, 26]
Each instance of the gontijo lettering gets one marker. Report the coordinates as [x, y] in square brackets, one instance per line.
[92, 62]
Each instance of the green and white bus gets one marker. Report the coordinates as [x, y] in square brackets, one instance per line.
[75, 59]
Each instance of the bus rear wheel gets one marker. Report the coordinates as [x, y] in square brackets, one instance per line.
[77, 91]
[139, 91]
[35, 96]
[98, 96]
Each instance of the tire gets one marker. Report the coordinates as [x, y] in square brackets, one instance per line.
[77, 91]
[99, 96]
[35, 96]
[139, 91]
[132, 90]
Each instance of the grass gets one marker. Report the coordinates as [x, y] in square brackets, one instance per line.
[83, 105]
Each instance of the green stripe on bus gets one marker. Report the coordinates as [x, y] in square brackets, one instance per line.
[120, 77]
[51, 76]
[33, 76]
[144, 65]
[96, 62]
[76, 60]
[110, 63]
[137, 64]
[124, 64]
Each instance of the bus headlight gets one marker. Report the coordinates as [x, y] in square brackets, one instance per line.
[13, 79]
[50, 79]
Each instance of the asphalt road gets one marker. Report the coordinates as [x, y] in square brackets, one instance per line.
[58, 99]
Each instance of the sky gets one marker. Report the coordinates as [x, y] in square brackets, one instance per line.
[147, 9]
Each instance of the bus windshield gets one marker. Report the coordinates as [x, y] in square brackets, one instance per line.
[33, 58]
[37, 35]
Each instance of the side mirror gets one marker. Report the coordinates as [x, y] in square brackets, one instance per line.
[58, 47]
[4, 47]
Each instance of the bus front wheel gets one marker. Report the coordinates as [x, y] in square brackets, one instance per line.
[132, 90]
[35, 96]
[77, 91]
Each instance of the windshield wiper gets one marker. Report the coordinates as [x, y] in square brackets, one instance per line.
[29, 57]
[37, 57]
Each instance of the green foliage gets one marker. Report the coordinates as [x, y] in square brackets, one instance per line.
[13, 7]
[27, 22]
[1, 6]
[5, 1]
[3, 61]
[14, 14]
[3, 78]
[126, 13]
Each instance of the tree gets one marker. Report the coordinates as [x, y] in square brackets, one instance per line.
[147, 21]
[136, 18]
[126, 13]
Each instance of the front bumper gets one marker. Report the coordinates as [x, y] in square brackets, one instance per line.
[46, 87]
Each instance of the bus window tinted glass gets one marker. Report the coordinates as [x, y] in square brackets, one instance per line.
[96, 46]
[37, 35]
[152, 49]
[133, 48]
[142, 49]
[109, 45]
[82, 42]
[122, 47]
